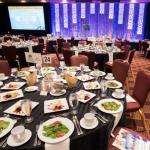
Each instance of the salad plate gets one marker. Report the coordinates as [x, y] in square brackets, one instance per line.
[97, 73]
[84, 96]
[11, 95]
[13, 85]
[55, 130]
[31, 88]
[92, 85]
[57, 93]
[113, 84]
[73, 69]
[55, 105]
[118, 97]
[109, 106]
[6, 124]
[17, 110]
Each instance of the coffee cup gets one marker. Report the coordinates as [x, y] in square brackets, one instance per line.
[119, 92]
[109, 75]
[2, 75]
[18, 133]
[89, 119]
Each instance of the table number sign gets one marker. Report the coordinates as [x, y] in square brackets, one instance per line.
[46, 59]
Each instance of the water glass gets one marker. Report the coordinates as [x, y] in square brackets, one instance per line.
[82, 68]
[103, 88]
[14, 72]
[73, 103]
[26, 107]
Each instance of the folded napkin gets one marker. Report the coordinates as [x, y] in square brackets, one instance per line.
[130, 99]
[65, 145]
[117, 119]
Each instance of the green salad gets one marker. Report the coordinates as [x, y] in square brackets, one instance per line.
[112, 106]
[21, 74]
[112, 84]
[55, 130]
[73, 69]
[3, 125]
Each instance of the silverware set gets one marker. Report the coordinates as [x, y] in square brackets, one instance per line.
[77, 125]
[100, 117]
[36, 140]
[3, 143]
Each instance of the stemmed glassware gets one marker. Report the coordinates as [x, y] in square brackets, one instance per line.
[14, 72]
[82, 68]
[103, 88]
[62, 65]
[73, 103]
[26, 107]
[38, 66]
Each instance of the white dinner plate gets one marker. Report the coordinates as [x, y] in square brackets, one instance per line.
[4, 78]
[85, 77]
[8, 129]
[17, 105]
[53, 93]
[92, 85]
[98, 73]
[11, 142]
[118, 84]
[101, 108]
[67, 122]
[13, 85]
[94, 125]
[55, 105]
[11, 95]
[31, 88]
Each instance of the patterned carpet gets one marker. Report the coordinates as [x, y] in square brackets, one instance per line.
[138, 63]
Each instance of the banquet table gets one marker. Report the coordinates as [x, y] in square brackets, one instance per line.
[95, 139]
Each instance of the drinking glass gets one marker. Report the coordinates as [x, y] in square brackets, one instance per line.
[103, 88]
[73, 103]
[26, 107]
[82, 68]
[39, 66]
[62, 64]
[14, 72]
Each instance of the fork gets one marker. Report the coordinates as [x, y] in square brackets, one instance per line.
[75, 123]
[36, 137]
[78, 124]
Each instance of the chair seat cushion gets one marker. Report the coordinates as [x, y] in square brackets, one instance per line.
[132, 106]
[116, 133]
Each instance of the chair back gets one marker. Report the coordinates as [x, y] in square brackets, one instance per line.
[120, 70]
[9, 52]
[127, 49]
[4, 67]
[130, 56]
[38, 48]
[91, 58]
[141, 87]
[77, 60]
[67, 54]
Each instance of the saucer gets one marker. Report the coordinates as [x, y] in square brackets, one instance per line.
[4, 78]
[119, 97]
[87, 70]
[11, 142]
[58, 94]
[31, 88]
[94, 125]
[109, 78]
[1, 83]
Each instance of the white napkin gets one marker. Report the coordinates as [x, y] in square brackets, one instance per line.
[65, 145]
[130, 99]
[117, 119]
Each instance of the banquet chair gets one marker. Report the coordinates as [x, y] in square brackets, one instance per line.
[4, 67]
[140, 92]
[54, 61]
[120, 70]
[10, 54]
[115, 133]
[59, 55]
[77, 60]
[60, 44]
[67, 55]
[92, 63]
[38, 48]
[66, 45]
[145, 46]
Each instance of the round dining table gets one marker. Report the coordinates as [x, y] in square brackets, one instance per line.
[94, 139]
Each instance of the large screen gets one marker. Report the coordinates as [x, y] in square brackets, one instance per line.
[26, 17]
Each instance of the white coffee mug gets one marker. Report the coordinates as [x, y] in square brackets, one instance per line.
[119, 92]
[18, 133]
[2, 75]
[89, 119]
[109, 75]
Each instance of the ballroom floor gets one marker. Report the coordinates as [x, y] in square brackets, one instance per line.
[138, 63]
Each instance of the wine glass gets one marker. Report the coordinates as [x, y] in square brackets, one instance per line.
[73, 103]
[14, 72]
[82, 68]
[103, 88]
[38, 66]
[62, 64]
[26, 107]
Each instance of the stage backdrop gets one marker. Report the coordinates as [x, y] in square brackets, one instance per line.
[116, 20]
